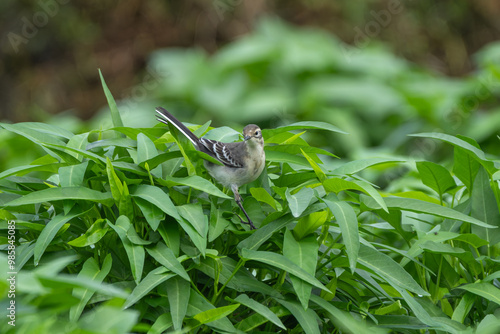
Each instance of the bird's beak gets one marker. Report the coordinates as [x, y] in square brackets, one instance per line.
[247, 137]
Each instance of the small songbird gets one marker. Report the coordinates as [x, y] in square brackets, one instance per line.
[242, 162]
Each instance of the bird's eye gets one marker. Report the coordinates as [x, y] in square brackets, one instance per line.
[257, 132]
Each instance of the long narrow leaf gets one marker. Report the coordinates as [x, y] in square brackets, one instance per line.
[178, 291]
[348, 223]
[90, 270]
[281, 262]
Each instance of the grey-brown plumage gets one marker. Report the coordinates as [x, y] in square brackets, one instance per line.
[243, 162]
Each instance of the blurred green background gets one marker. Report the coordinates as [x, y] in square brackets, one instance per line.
[377, 69]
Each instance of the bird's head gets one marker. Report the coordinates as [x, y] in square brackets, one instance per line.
[253, 133]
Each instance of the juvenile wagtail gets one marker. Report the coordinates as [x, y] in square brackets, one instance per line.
[242, 162]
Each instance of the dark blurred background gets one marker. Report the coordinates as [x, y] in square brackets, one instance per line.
[51, 49]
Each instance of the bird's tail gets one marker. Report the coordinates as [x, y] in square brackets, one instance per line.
[165, 117]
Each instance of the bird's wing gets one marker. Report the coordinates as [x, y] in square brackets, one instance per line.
[222, 152]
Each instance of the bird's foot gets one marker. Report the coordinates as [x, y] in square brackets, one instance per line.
[249, 222]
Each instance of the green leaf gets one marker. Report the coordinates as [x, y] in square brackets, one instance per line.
[348, 223]
[297, 149]
[156, 196]
[217, 223]
[282, 157]
[416, 249]
[153, 133]
[145, 148]
[111, 142]
[484, 208]
[135, 253]
[90, 270]
[170, 233]
[62, 193]
[285, 138]
[154, 278]
[294, 179]
[166, 257]
[151, 212]
[134, 238]
[485, 290]
[308, 319]
[129, 167]
[178, 291]
[260, 309]
[115, 114]
[417, 195]
[344, 320]
[79, 142]
[224, 134]
[490, 324]
[39, 133]
[54, 266]
[242, 280]
[161, 324]
[356, 166]
[196, 182]
[471, 239]
[309, 224]
[160, 158]
[261, 195]
[465, 166]
[199, 241]
[64, 151]
[49, 129]
[193, 213]
[300, 126]
[337, 185]
[22, 170]
[73, 176]
[65, 281]
[467, 259]
[95, 233]
[317, 169]
[262, 234]
[299, 201]
[423, 315]
[108, 319]
[198, 304]
[473, 151]
[303, 253]
[23, 253]
[215, 314]
[115, 184]
[50, 231]
[388, 269]
[281, 262]
[463, 307]
[415, 205]
[435, 177]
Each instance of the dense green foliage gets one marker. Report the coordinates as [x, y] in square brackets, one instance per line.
[119, 229]
[280, 74]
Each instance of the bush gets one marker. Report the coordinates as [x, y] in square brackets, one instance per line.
[119, 230]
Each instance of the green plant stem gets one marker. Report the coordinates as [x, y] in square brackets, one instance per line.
[189, 195]
[421, 275]
[280, 280]
[438, 280]
[216, 280]
[240, 264]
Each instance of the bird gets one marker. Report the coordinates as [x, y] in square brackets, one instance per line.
[241, 162]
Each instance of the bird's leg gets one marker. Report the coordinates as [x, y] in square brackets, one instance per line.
[237, 198]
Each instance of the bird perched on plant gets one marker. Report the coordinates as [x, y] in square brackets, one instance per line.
[242, 162]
